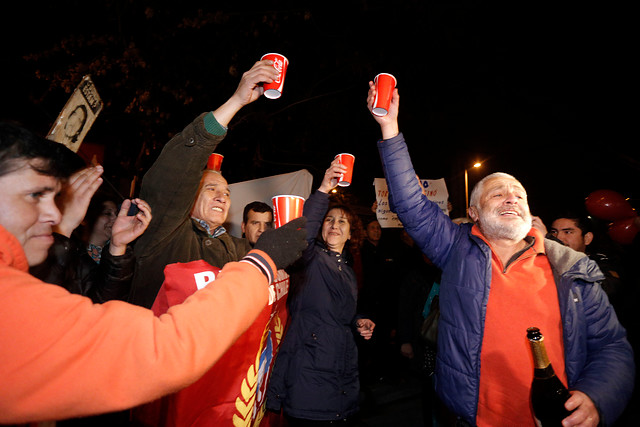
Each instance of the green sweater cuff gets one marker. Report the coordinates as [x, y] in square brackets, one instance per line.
[212, 126]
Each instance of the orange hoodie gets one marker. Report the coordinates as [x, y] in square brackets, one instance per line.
[62, 356]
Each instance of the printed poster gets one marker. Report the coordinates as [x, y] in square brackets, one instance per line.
[77, 116]
[436, 191]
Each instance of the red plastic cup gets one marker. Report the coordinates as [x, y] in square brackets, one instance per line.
[280, 63]
[286, 208]
[215, 162]
[347, 160]
[385, 84]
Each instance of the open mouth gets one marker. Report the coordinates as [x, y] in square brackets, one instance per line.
[217, 209]
[509, 212]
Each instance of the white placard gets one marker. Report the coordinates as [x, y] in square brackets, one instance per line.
[436, 191]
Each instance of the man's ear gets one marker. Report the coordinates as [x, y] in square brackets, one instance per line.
[242, 227]
[473, 213]
[588, 238]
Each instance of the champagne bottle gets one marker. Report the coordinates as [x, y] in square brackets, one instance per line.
[548, 394]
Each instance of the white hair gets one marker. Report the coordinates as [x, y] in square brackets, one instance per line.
[479, 187]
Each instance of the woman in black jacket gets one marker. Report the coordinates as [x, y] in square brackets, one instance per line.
[315, 377]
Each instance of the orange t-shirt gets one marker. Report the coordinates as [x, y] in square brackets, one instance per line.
[522, 294]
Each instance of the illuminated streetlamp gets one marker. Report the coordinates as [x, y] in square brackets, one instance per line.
[466, 186]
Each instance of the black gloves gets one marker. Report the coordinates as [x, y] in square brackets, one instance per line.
[285, 244]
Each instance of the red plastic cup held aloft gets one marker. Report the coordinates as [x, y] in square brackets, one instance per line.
[215, 162]
[385, 84]
[280, 63]
[286, 208]
[347, 160]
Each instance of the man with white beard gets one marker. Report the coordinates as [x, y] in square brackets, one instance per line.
[499, 277]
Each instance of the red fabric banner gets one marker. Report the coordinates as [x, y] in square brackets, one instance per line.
[233, 391]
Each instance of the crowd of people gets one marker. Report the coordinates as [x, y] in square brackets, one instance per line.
[159, 317]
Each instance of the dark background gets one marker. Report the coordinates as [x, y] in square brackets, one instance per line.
[543, 91]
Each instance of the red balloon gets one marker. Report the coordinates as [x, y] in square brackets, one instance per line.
[623, 231]
[609, 205]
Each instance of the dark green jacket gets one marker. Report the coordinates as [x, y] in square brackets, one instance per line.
[170, 188]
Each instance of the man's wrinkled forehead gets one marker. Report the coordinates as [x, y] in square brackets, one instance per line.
[500, 183]
[213, 178]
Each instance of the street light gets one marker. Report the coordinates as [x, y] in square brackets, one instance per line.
[466, 186]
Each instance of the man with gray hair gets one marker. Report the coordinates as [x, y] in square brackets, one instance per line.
[500, 276]
[191, 203]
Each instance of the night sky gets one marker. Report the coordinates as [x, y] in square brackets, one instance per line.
[544, 92]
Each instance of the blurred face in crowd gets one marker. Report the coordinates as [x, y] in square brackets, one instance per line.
[502, 210]
[256, 223]
[570, 234]
[104, 222]
[336, 230]
[213, 201]
[374, 232]
[28, 210]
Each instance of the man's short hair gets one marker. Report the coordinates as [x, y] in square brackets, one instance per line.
[256, 206]
[479, 187]
[580, 219]
[19, 146]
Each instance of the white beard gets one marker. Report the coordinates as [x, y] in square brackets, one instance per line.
[493, 228]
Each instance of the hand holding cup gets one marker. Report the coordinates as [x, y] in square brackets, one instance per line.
[332, 176]
[347, 160]
[389, 122]
[273, 90]
[249, 89]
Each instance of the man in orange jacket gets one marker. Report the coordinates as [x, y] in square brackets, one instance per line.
[62, 356]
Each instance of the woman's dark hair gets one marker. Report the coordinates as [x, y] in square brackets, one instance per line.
[95, 209]
[355, 226]
[19, 146]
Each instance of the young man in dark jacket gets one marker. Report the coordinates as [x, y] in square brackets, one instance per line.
[499, 277]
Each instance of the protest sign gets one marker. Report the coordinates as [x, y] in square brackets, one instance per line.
[435, 189]
[77, 116]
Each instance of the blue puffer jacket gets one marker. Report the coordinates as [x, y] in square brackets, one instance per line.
[315, 376]
[598, 357]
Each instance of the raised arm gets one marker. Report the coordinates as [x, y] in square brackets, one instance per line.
[76, 196]
[172, 182]
[316, 205]
[249, 89]
[427, 225]
[389, 122]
